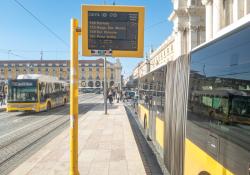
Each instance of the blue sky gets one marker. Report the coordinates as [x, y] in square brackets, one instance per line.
[23, 37]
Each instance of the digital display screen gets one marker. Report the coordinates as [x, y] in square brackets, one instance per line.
[113, 30]
[23, 83]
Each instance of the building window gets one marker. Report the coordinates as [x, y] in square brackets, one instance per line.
[90, 84]
[196, 2]
[97, 83]
[198, 36]
[228, 12]
[111, 83]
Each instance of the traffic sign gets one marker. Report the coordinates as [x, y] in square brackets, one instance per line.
[116, 31]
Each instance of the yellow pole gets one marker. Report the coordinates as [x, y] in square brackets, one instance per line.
[74, 99]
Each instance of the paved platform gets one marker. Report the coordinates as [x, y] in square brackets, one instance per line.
[106, 147]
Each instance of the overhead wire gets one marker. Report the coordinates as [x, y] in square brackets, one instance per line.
[58, 37]
[42, 23]
[34, 51]
[15, 53]
[9, 52]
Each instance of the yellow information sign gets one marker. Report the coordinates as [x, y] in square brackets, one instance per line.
[116, 31]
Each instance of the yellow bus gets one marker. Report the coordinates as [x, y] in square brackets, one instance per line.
[196, 109]
[34, 92]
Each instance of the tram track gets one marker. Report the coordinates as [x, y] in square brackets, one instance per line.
[14, 148]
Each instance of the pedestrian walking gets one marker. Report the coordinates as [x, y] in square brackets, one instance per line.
[1, 99]
[113, 94]
[118, 96]
[4, 96]
[110, 97]
[123, 96]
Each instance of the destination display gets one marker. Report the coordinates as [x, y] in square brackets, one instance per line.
[113, 30]
[22, 83]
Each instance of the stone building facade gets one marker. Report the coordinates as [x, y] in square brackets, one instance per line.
[91, 72]
[223, 13]
[194, 22]
[188, 17]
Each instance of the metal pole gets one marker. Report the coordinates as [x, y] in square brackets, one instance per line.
[105, 87]
[138, 80]
[74, 99]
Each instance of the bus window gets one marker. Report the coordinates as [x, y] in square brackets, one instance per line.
[207, 101]
[22, 92]
[221, 104]
[241, 107]
[42, 88]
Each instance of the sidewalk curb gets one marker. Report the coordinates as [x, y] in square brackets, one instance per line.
[158, 157]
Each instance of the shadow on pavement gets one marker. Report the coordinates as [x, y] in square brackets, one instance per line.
[100, 107]
[60, 110]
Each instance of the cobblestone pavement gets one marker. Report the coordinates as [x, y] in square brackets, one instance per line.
[22, 134]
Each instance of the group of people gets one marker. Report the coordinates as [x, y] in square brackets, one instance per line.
[118, 95]
[114, 95]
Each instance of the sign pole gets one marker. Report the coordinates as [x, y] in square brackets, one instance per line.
[105, 86]
[74, 98]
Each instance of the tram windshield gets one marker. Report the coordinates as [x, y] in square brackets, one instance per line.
[22, 91]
